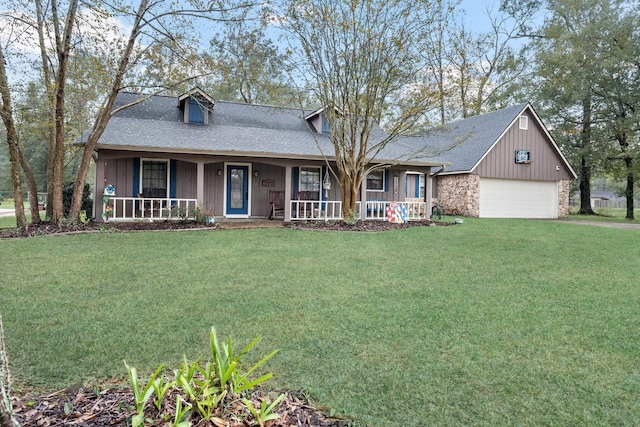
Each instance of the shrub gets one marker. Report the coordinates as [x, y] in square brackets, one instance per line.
[202, 215]
[351, 218]
[67, 194]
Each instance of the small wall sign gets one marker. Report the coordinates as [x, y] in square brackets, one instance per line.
[267, 183]
[523, 156]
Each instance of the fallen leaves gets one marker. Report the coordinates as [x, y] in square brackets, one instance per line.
[114, 406]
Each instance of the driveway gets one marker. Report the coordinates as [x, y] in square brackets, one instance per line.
[7, 212]
[621, 225]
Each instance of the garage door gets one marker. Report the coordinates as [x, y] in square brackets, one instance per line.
[503, 198]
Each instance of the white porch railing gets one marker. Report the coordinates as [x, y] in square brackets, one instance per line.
[317, 210]
[137, 208]
[377, 210]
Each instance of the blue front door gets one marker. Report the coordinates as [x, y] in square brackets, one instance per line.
[237, 190]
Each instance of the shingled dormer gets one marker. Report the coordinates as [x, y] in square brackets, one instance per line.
[318, 121]
[196, 106]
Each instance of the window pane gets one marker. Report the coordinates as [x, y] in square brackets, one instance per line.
[375, 181]
[237, 188]
[309, 179]
[326, 129]
[154, 179]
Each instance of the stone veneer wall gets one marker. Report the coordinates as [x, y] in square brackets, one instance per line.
[459, 194]
[563, 198]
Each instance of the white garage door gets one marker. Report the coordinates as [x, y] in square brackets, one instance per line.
[503, 198]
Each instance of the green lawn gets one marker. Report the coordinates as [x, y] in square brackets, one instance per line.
[493, 322]
[8, 203]
[10, 221]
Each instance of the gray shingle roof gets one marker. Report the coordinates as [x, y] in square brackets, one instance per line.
[156, 124]
[465, 142]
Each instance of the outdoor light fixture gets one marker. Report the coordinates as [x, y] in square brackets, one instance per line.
[219, 172]
[256, 173]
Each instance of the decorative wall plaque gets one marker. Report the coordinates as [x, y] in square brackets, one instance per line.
[523, 156]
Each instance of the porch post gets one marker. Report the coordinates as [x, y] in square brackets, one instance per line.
[428, 189]
[98, 188]
[200, 183]
[287, 194]
[363, 199]
[400, 193]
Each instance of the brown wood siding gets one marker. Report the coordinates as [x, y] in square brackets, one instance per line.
[434, 187]
[119, 173]
[500, 162]
[186, 180]
[214, 187]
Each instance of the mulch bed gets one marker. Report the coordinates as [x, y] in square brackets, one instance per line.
[43, 229]
[114, 406]
[373, 226]
[46, 228]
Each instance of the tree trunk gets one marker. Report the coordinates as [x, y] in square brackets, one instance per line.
[6, 411]
[585, 159]
[48, 84]
[104, 115]
[628, 161]
[33, 188]
[585, 188]
[16, 180]
[63, 47]
[350, 187]
[6, 113]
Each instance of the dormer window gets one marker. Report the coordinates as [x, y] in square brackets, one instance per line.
[196, 106]
[196, 111]
[318, 121]
[326, 128]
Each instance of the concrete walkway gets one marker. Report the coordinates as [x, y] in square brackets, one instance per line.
[7, 212]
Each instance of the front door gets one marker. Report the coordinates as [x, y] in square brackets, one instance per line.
[237, 190]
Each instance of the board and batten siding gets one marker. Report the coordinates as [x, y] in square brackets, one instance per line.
[186, 180]
[500, 161]
[214, 187]
[119, 173]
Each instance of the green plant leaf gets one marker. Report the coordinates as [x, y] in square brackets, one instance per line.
[248, 347]
[137, 420]
[226, 376]
[274, 404]
[248, 385]
[186, 387]
[261, 362]
[251, 408]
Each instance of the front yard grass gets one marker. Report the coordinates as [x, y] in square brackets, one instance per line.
[492, 322]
